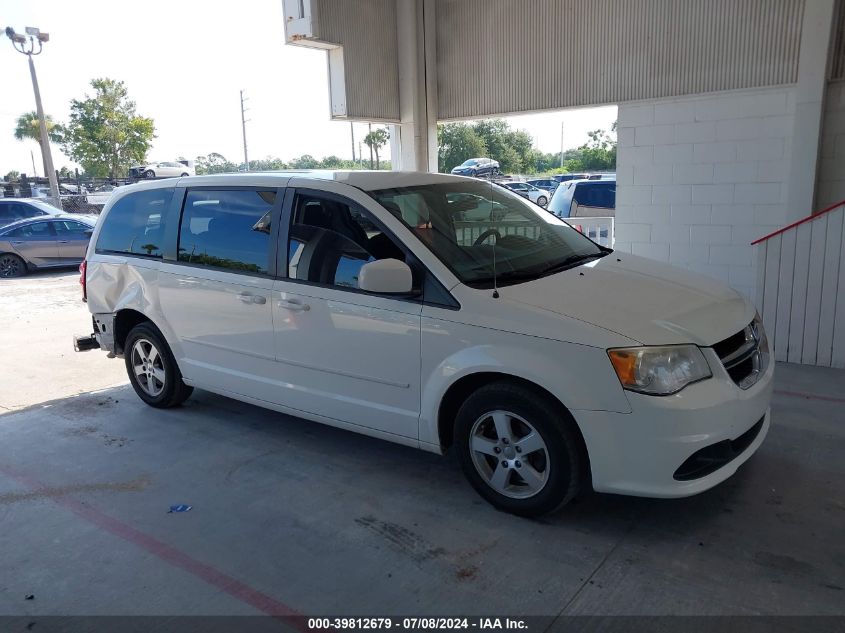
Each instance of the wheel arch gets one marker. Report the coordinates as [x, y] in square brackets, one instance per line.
[463, 387]
[124, 320]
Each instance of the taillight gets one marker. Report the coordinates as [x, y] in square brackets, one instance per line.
[83, 267]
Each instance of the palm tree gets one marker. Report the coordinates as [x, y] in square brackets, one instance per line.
[376, 140]
[27, 128]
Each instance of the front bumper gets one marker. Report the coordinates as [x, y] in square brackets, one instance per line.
[647, 452]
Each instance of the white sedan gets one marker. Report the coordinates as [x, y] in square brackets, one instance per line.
[161, 170]
[534, 194]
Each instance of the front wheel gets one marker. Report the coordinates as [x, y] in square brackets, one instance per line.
[518, 449]
[184, 175]
[152, 370]
[12, 266]
[542, 201]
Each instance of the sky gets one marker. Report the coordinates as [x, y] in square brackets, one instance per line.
[184, 62]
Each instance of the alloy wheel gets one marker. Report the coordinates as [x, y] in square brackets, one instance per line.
[509, 454]
[149, 368]
[10, 266]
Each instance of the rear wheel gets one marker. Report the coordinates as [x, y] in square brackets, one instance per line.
[542, 201]
[184, 175]
[152, 370]
[518, 450]
[149, 174]
[12, 266]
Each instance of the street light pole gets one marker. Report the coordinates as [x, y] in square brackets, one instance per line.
[32, 44]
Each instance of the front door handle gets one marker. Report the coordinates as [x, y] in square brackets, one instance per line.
[62, 241]
[247, 297]
[293, 305]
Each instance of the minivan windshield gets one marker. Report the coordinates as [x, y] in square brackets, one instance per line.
[469, 225]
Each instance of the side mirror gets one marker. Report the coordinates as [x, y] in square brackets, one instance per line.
[386, 276]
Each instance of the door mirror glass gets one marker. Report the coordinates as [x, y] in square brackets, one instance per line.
[386, 276]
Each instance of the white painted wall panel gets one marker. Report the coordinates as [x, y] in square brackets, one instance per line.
[697, 196]
[494, 58]
[801, 281]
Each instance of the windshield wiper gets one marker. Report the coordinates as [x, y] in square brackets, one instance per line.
[571, 262]
[527, 275]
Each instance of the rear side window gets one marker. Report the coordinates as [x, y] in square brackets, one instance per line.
[227, 229]
[12, 211]
[35, 230]
[602, 196]
[135, 224]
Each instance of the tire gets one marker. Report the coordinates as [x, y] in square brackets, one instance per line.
[149, 174]
[152, 370]
[12, 266]
[542, 201]
[184, 175]
[551, 450]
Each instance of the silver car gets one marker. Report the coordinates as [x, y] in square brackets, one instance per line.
[44, 242]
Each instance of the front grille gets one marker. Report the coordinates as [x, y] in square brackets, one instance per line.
[744, 354]
[711, 458]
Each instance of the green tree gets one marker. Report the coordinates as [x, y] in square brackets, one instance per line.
[597, 154]
[457, 142]
[105, 134]
[28, 129]
[375, 140]
[214, 163]
[306, 161]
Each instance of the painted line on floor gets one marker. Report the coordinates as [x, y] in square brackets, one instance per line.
[167, 553]
[807, 396]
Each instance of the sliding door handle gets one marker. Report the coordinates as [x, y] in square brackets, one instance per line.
[293, 305]
[247, 297]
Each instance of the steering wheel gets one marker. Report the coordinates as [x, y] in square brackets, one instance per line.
[487, 234]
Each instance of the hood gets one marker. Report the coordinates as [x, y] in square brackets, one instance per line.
[645, 300]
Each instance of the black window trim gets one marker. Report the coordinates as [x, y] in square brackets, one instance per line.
[426, 277]
[178, 209]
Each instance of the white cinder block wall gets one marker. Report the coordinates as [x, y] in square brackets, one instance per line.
[831, 184]
[700, 177]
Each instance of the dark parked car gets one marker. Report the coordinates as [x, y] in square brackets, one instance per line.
[44, 242]
[567, 177]
[477, 167]
[14, 209]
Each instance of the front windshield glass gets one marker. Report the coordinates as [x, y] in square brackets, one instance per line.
[465, 223]
[470, 162]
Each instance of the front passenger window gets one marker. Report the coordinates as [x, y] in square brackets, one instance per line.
[330, 241]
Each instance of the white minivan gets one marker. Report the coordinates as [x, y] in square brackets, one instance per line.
[382, 303]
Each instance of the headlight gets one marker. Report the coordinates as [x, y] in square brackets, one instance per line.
[659, 371]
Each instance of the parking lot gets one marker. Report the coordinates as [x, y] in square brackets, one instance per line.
[292, 517]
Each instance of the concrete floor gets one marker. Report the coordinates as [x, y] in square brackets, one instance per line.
[293, 517]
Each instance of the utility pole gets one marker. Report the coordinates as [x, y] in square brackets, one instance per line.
[352, 132]
[243, 128]
[561, 144]
[31, 44]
